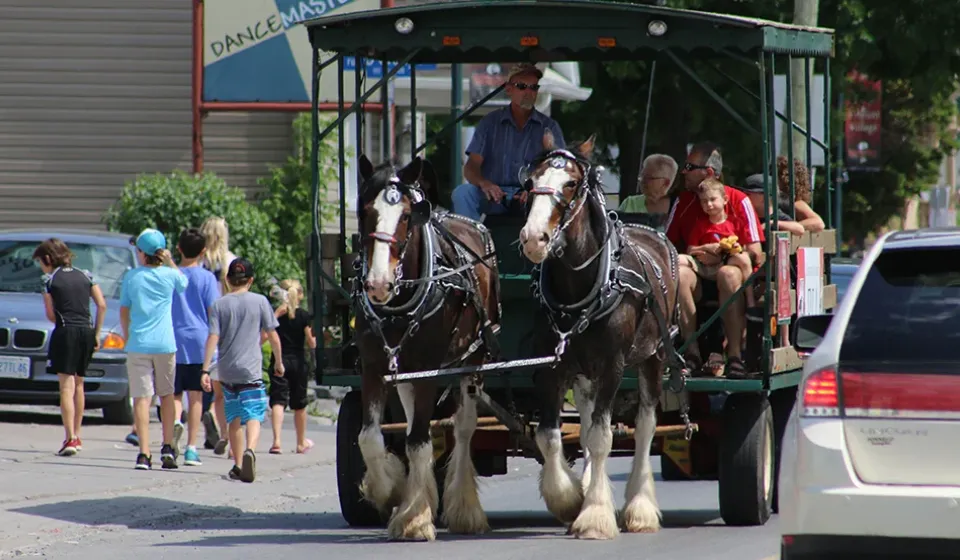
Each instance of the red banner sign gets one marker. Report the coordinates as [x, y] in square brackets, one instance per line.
[863, 124]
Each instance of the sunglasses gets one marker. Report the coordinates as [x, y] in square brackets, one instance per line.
[521, 86]
[691, 167]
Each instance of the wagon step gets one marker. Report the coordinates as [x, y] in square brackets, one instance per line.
[495, 367]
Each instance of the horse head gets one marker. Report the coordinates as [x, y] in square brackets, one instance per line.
[559, 182]
[391, 207]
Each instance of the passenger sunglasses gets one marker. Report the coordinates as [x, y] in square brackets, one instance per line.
[691, 166]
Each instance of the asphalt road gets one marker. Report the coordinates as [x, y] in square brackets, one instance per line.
[96, 506]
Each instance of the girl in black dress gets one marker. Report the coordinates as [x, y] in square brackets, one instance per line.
[296, 335]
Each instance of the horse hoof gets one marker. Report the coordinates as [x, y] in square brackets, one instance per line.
[425, 532]
[641, 515]
[595, 523]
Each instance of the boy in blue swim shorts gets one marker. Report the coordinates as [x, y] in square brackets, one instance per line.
[236, 321]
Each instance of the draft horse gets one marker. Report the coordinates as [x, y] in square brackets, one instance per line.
[608, 299]
[427, 296]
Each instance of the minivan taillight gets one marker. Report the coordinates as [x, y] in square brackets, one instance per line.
[821, 394]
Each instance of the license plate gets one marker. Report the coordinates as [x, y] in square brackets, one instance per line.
[14, 367]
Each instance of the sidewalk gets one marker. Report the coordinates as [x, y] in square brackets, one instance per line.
[45, 498]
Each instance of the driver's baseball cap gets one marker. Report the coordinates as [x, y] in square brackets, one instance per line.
[150, 241]
[524, 68]
[240, 269]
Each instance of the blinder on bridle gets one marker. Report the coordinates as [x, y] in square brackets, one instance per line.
[558, 159]
[393, 193]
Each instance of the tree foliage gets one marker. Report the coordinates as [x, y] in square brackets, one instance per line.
[287, 192]
[918, 65]
[171, 202]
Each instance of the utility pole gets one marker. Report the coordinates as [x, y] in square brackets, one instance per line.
[805, 12]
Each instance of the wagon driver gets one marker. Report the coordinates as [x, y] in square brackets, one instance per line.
[504, 141]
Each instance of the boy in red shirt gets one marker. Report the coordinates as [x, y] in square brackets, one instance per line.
[714, 227]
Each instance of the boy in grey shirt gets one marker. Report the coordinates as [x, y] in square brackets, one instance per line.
[236, 321]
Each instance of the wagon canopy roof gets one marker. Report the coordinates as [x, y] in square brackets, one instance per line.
[554, 30]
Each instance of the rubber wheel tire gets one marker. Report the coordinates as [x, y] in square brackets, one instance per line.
[119, 413]
[350, 466]
[747, 450]
[782, 402]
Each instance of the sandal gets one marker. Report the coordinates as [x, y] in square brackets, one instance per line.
[275, 450]
[714, 366]
[735, 368]
[307, 445]
[755, 314]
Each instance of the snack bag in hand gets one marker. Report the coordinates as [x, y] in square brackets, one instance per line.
[730, 245]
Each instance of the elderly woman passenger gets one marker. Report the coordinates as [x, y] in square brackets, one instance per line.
[656, 176]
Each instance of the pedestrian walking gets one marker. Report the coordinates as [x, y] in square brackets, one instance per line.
[216, 259]
[146, 317]
[236, 321]
[67, 292]
[190, 324]
[295, 335]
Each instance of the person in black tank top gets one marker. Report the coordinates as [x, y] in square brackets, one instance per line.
[66, 297]
[296, 335]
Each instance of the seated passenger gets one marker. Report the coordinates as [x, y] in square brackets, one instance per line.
[753, 188]
[808, 219]
[504, 141]
[704, 161]
[656, 177]
[713, 232]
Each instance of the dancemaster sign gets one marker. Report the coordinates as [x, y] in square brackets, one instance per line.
[254, 51]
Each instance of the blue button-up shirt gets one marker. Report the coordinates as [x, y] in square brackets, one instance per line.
[506, 148]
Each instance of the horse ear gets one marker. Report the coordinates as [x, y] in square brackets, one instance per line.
[587, 146]
[411, 173]
[548, 140]
[430, 182]
[366, 167]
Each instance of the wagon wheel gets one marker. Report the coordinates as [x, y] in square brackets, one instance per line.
[782, 402]
[350, 466]
[747, 451]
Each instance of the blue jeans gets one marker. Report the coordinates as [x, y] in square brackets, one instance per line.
[469, 201]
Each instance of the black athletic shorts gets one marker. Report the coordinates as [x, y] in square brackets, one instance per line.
[70, 350]
[188, 378]
[291, 389]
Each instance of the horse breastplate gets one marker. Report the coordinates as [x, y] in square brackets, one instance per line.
[613, 281]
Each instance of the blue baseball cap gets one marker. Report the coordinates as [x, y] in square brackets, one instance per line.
[150, 241]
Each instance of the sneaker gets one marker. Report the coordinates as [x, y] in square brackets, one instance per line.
[248, 472]
[68, 449]
[211, 432]
[220, 448]
[78, 444]
[168, 457]
[144, 463]
[132, 439]
[190, 457]
[177, 436]
[234, 473]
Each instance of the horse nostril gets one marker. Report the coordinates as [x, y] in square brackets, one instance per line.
[367, 285]
[544, 237]
[389, 286]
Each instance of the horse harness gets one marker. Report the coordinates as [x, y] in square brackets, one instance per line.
[440, 273]
[614, 279]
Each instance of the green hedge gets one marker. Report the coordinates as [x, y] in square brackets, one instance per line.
[174, 201]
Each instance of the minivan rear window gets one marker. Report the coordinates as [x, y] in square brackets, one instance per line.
[907, 312]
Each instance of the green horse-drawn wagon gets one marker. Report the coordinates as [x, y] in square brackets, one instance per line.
[707, 427]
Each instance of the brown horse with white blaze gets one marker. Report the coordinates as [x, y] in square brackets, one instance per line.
[608, 294]
[426, 297]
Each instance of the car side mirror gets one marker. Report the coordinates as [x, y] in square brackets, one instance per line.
[809, 331]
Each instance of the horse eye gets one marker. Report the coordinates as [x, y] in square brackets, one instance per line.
[570, 185]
